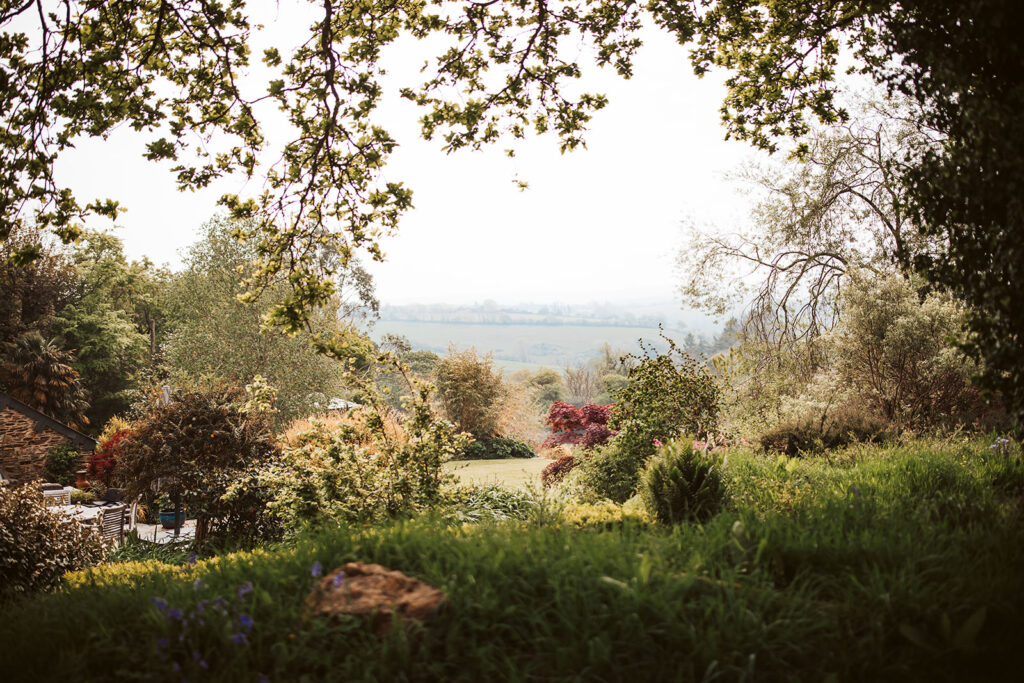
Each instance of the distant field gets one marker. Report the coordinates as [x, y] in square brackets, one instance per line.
[514, 472]
[554, 346]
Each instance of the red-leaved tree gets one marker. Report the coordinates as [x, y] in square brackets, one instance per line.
[103, 462]
[586, 426]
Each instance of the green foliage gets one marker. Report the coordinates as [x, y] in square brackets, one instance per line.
[609, 472]
[38, 546]
[471, 391]
[895, 352]
[959, 65]
[39, 373]
[204, 450]
[220, 336]
[33, 292]
[479, 502]
[680, 484]
[668, 394]
[110, 321]
[801, 435]
[369, 469]
[547, 385]
[497, 448]
[110, 351]
[62, 462]
[420, 364]
[915, 540]
[78, 497]
[603, 516]
[499, 71]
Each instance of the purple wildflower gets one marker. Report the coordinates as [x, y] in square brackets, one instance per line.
[192, 558]
[238, 638]
[198, 584]
[174, 613]
[338, 579]
[160, 603]
[244, 590]
[317, 569]
[245, 621]
[161, 643]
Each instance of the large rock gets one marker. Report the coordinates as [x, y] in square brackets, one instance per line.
[378, 592]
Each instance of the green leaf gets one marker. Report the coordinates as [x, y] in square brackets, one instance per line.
[967, 633]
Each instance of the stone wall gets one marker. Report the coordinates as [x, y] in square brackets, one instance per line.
[23, 447]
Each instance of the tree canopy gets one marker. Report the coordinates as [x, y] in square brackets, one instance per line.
[178, 72]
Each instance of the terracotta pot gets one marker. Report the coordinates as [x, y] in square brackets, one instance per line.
[80, 481]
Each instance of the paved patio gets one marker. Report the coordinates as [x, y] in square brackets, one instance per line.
[157, 534]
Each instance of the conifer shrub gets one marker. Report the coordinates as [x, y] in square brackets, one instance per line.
[681, 484]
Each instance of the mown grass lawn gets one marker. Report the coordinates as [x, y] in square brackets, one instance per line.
[510, 472]
[895, 564]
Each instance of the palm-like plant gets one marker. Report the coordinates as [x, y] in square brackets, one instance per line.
[38, 372]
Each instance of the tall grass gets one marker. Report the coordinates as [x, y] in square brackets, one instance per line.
[883, 564]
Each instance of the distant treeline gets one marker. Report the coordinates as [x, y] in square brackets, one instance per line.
[490, 313]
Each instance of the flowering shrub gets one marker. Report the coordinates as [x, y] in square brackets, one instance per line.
[586, 426]
[38, 546]
[103, 463]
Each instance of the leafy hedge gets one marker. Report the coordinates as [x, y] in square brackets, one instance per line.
[38, 546]
[497, 448]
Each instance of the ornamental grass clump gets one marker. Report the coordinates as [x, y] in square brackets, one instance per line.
[681, 484]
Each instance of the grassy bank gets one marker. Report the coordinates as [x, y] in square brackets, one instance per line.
[874, 564]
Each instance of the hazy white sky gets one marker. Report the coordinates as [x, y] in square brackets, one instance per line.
[601, 223]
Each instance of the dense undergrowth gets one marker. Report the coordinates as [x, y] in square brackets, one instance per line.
[897, 563]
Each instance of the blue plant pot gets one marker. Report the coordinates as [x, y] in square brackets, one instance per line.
[167, 518]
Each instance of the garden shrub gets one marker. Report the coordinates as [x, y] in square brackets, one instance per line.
[103, 463]
[804, 434]
[681, 484]
[471, 391]
[603, 515]
[200, 447]
[897, 351]
[37, 546]
[62, 462]
[669, 394]
[555, 472]
[586, 426]
[496, 449]
[609, 472]
[369, 468]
